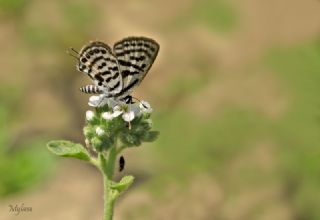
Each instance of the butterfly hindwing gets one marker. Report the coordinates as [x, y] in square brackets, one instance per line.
[135, 57]
[99, 63]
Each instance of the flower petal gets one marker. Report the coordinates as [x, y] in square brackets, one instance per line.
[97, 101]
[107, 116]
[117, 110]
[128, 116]
[93, 100]
[116, 113]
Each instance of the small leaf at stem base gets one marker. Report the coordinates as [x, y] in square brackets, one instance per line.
[68, 149]
[124, 184]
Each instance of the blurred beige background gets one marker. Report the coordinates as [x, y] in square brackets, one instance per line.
[235, 96]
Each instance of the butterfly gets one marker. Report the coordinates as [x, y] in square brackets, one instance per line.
[116, 72]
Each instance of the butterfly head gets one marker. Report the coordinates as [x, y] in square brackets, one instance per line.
[90, 55]
[82, 61]
[82, 67]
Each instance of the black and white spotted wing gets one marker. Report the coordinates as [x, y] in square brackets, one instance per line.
[135, 57]
[115, 73]
[98, 62]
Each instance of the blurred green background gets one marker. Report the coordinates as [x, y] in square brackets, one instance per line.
[235, 96]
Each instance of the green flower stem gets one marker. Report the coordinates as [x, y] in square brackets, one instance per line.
[120, 149]
[109, 200]
[111, 163]
[107, 170]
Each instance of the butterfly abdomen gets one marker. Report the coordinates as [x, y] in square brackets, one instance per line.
[90, 89]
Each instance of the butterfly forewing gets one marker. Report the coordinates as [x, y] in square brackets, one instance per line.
[99, 63]
[135, 57]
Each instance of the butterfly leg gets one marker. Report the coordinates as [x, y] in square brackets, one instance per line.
[90, 89]
[129, 100]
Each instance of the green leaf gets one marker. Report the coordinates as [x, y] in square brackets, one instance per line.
[150, 136]
[68, 149]
[124, 184]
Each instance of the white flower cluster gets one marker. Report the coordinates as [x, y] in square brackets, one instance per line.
[127, 111]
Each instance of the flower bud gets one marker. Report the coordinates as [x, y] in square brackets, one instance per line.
[96, 143]
[89, 115]
[145, 107]
[88, 132]
[99, 131]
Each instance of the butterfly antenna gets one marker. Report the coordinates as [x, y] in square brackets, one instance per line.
[72, 52]
[139, 101]
[71, 48]
[136, 99]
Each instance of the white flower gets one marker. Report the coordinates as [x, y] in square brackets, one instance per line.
[145, 107]
[98, 100]
[128, 116]
[107, 115]
[99, 131]
[89, 115]
[128, 111]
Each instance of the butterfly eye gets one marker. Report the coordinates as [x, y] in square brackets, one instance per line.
[81, 66]
[83, 60]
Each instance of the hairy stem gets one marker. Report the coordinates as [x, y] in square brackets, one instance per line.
[107, 172]
[108, 200]
[111, 162]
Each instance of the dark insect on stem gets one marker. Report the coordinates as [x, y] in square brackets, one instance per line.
[121, 163]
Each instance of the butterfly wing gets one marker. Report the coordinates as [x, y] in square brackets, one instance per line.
[135, 57]
[98, 62]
